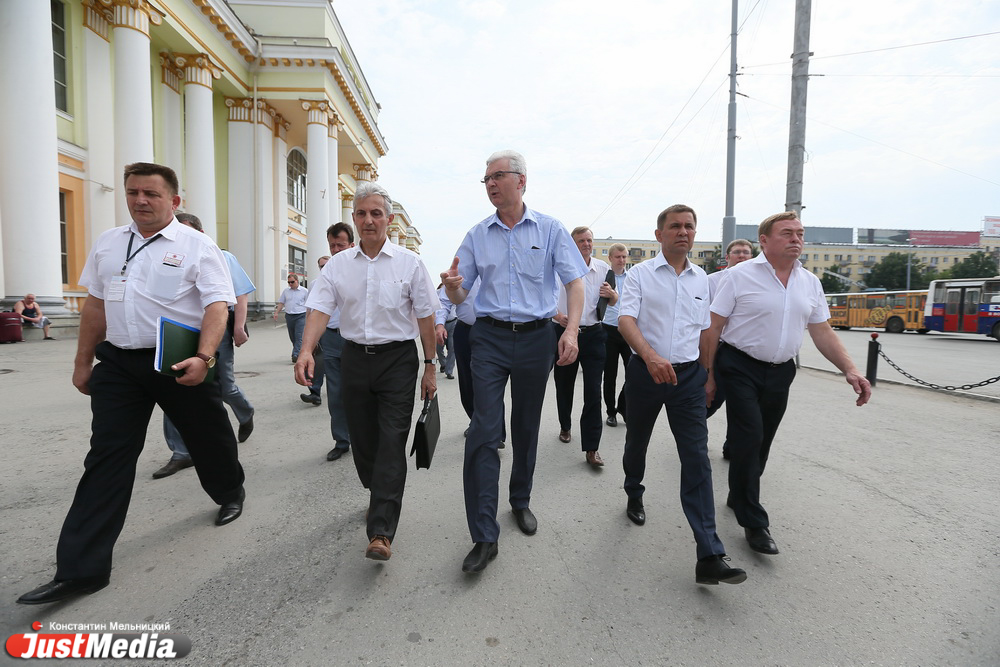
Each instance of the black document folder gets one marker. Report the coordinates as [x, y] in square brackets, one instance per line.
[425, 436]
[602, 303]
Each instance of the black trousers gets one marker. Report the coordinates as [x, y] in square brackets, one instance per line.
[756, 397]
[463, 366]
[591, 359]
[123, 390]
[378, 392]
[685, 406]
[614, 347]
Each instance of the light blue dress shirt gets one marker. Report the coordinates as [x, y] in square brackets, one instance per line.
[241, 281]
[611, 314]
[518, 267]
[465, 311]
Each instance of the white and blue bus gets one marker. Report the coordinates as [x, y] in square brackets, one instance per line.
[964, 305]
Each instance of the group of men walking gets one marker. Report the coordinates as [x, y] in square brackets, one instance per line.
[528, 296]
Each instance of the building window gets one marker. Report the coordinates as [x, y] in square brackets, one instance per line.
[59, 54]
[297, 180]
[826, 258]
[297, 262]
[934, 260]
[64, 254]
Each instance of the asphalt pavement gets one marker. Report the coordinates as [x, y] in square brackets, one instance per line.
[885, 516]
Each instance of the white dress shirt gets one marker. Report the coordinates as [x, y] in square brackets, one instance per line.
[176, 276]
[714, 280]
[380, 299]
[597, 271]
[294, 300]
[766, 319]
[670, 310]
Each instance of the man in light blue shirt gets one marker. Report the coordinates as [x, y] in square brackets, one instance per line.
[518, 255]
[615, 346]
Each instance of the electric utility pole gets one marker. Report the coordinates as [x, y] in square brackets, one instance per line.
[729, 222]
[797, 120]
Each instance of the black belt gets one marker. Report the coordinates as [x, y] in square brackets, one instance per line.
[451, 320]
[682, 366]
[333, 329]
[516, 327]
[381, 347]
[769, 364]
[589, 327]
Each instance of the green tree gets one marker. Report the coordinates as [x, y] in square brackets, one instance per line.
[890, 273]
[711, 262]
[833, 284]
[977, 265]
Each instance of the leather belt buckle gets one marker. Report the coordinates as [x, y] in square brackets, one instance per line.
[370, 349]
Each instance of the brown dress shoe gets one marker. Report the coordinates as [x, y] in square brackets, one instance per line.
[594, 458]
[564, 436]
[173, 465]
[378, 549]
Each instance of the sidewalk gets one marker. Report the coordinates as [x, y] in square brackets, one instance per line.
[885, 517]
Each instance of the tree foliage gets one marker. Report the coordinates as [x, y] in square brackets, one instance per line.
[977, 265]
[890, 273]
[832, 284]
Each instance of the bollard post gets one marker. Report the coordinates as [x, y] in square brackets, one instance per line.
[872, 369]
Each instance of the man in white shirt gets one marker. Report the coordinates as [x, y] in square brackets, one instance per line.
[340, 236]
[615, 346]
[293, 302]
[591, 356]
[760, 313]
[663, 314]
[154, 267]
[386, 299]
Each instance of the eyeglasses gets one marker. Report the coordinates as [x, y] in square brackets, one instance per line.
[495, 176]
[291, 282]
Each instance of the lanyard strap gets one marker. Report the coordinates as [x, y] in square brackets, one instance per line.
[129, 255]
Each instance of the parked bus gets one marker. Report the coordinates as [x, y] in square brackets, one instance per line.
[894, 311]
[964, 305]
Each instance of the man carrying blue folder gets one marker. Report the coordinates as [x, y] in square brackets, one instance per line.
[155, 267]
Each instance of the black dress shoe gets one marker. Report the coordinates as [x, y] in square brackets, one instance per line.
[231, 511]
[246, 428]
[311, 398]
[713, 569]
[480, 556]
[54, 591]
[635, 511]
[611, 421]
[760, 540]
[526, 521]
[172, 466]
[502, 445]
[335, 454]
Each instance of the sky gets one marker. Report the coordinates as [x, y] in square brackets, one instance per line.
[620, 110]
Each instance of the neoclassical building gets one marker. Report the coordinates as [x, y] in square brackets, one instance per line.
[259, 105]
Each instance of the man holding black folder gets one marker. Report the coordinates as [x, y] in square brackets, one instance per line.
[155, 267]
[386, 299]
[598, 294]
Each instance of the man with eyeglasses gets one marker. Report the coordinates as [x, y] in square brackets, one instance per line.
[518, 255]
[293, 302]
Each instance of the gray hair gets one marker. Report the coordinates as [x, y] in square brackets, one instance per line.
[367, 189]
[516, 161]
[190, 220]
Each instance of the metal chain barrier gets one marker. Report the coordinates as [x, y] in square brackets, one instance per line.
[931, 384]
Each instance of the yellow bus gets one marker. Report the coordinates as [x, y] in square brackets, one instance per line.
[893, 311]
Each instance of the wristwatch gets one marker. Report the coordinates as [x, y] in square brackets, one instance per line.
[428, 361]
[209, 361]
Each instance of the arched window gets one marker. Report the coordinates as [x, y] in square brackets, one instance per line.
[297, 180]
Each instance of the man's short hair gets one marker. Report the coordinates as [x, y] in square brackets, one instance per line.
[323, 259]
[736, 242]
[676, 208]
[369, 188]
[580, 230]
[153, 169]
[292, 274]
[617, 247]
[516, 161]
[190, 220]
[338, 228]
[764, 228]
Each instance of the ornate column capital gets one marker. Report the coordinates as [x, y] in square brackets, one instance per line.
[198, 68]
[134, 14]
[172, 74]
[347, 198]
[97, 16]
[364, 172]
[319, 111]
[239, 109]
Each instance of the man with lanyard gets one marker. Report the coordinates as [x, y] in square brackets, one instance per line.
[591, 355]
[518, 254]
[135, 274]
[760, 313]
[293, 302]
[232, 395]
[615, 346]
[663, 314]
[386, 299]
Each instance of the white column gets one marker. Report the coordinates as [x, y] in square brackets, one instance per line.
[334, 191]
[173, 118]
[275, 239]
[258, 227]
[317, 184]
[241, 200]
[29, 177]
[133, 89]
[347, 207]
[103, 182]
[199, 140]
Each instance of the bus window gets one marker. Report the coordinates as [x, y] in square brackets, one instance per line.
[951, 307]
[972, 302]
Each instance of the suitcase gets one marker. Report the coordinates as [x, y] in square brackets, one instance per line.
[10, 328]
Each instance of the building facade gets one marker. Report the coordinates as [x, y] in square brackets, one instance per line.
[260, 106]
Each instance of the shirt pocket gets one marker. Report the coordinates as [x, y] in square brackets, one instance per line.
[164, 281]
[693, 310]
[530, 262]
[390, 294]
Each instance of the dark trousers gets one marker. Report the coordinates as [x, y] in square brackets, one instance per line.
[614, 347]
[463, 364]
[525, 358]
[756, 397]
[720, 397]
[378, 391]
[685, 405]
[591, 358]
[333, 348]
[295, 324]
[123, 390]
